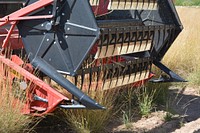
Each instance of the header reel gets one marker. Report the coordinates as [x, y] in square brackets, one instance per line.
[98, 44]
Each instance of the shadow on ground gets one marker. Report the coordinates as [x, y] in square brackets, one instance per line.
[186, 103]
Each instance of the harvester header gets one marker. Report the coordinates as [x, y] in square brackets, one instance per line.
[85, 46]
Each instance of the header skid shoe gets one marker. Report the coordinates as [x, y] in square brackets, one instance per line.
[61, 44]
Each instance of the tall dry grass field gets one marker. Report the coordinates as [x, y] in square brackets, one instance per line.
[184, 55]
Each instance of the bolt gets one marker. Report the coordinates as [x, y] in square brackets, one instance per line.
[61, 42]
[68, 28]
[48, 26]
[63, 14]
[23, 85]
[47, 39]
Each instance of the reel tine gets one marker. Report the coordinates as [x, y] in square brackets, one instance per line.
[125, 69]
[147, 37]
[134, 39]
[158, 39]
[141, 38]
[135, 70]
[119, 81]
[97, 77]
[152, 36]
[148, 65]
[130, 69]
[118, 75]
[111, 76]
[90, 79]
[143, 68]
[76, 80]
[101, 44]
[128, 39]
[82, 79]
[164, 31]
[115, 41]
[105, 74]
[122, 41]
[140, 68]
[171, 34]
[107, 42]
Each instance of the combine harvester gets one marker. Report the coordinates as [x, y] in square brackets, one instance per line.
[83, 45]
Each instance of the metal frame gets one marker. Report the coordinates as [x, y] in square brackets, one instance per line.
[38, 87]
[21, 15]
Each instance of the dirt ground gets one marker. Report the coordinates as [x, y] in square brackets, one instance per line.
[185, 105]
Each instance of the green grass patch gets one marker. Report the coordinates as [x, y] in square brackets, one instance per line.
[187, 2]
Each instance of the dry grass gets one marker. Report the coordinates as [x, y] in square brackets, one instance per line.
[92, 121]
[11, 118]
[12, 99]
[184, 57]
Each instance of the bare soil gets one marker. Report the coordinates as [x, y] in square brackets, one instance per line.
[185, 106]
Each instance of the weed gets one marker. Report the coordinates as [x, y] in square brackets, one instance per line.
[126, 119]
[168, 117]
[145, 100]
[127, 98]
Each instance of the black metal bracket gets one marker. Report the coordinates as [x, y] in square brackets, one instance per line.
[173, 77]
